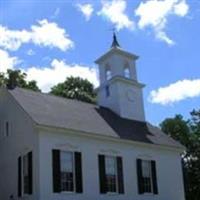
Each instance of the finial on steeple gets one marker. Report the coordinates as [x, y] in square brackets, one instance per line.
[115, 43]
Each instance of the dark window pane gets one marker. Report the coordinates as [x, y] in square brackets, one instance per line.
[25, 175]
[111, 174]
[147, 176]
[67, 174]
[7, 129]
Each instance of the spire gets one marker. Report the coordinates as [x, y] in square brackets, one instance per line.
[115, 43]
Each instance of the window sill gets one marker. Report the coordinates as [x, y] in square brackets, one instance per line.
[67, 193]
[112, 193]
[148, 194]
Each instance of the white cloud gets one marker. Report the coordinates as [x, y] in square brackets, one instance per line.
[86, 9]
[49, 34]
[181, 9]
[58, 71]
[176, 92]
[114, 11]
[13, 39]
[163, 36]
[6, 61]
[155, 13]
[47, 77]
[45, 33]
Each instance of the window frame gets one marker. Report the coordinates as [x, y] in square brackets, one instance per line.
[151, 177]
[25, 155]
[73, 171]
[116, 175]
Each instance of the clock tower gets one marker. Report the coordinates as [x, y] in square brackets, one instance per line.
[119, 88]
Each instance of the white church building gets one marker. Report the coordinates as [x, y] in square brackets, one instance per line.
[52, 148]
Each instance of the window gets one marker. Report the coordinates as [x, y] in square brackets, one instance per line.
[111, 174]
[147, 176]
[25, 174]
[147, 180]
[67, 171]
[108, 74]
[127, 72]
[107, 89]
[6, 129]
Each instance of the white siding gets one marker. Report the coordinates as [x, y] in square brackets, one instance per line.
[169, 172]
[120, 102]
[22, 139]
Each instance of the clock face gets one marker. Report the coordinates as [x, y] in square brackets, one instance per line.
[130, 95]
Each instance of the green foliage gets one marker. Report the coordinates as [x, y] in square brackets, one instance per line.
[187, 133]
[75, 88]
[2, 79]
[177, 128]
[17, 78]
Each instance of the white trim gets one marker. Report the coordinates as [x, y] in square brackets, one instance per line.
[121, 78]
[67, 147]
[108, 138]
[110, 152]
[116, 51]
[145, 157]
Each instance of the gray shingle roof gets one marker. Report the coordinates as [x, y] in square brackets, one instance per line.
[59, 112]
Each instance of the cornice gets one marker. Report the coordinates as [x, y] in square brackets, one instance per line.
[108, 138]
[116, 50]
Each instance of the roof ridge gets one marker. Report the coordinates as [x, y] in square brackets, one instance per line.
[52, 95]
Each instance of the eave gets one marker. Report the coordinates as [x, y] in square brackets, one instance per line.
[116, 50]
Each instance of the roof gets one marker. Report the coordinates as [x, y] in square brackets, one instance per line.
[116, 50]
[49, 110]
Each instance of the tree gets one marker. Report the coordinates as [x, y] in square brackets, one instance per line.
[17, 78]
[177, 128]
[193, 162]
[187, 133]
[75, 88]
[2, 79]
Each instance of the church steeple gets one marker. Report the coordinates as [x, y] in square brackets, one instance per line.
[119, 88]
[115, 43]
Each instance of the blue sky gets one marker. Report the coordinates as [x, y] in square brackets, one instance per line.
[53, 39]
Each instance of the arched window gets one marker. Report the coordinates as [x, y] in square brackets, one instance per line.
[127, 72]
[108, 72]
